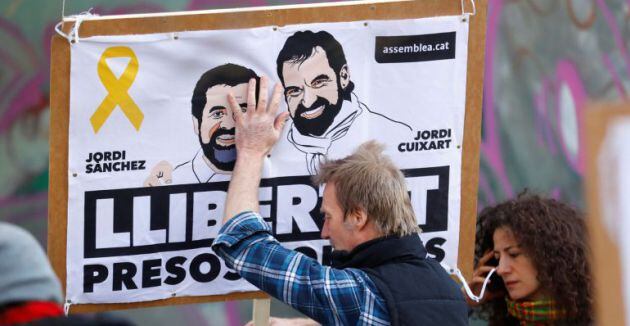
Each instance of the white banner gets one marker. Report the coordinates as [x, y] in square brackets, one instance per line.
[152, 110]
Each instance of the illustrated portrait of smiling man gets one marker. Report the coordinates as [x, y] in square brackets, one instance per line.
[319, 94]
[213, 122]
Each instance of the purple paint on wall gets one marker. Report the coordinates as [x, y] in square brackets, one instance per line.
[614, 75]
[491, 144]
[29, 96]
[616, 33]
[568, 74]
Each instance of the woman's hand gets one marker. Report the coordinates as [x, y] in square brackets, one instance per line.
[479, 276]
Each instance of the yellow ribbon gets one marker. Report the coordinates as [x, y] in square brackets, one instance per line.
[117, 88]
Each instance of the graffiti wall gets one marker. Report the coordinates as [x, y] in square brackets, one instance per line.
[544, 60]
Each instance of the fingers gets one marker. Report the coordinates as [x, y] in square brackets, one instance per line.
[280, 121]
[483, 270]
[165, 172]
[479, 276]
[263, 105]
[275, 99]
[487, 256]
[477, 280]
[168, 176]
[236, 108]
[161, 173]
[251, 95]
[262, 95]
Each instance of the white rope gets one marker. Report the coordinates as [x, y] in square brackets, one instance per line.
[73, 36]
[455, 271]
[66, 307]
[474, 11]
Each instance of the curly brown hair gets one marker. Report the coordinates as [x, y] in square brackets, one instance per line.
[553, 236]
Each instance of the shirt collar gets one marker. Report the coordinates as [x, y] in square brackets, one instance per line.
[350, 110]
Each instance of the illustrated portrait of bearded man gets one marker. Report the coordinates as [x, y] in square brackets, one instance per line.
[213, 124]
[320, 97]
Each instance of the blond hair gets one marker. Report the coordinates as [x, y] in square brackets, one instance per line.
[369, 180]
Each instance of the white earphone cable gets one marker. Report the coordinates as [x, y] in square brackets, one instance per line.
[455, 271]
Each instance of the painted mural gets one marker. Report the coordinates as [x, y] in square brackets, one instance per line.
[544, 60]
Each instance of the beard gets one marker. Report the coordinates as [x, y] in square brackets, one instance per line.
[222, 157]
[319, 125]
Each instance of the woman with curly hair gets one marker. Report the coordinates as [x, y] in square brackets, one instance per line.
[538, 248]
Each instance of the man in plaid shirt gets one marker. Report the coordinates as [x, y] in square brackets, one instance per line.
[380, 274]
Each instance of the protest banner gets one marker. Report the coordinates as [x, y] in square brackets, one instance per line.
[142, 143]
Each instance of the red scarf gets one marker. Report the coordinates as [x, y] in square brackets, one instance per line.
[29, 311]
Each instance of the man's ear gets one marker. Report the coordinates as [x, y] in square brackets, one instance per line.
[359, 218]
[344, 76]
[195, 125]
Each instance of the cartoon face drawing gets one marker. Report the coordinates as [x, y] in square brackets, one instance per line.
[216, 130]
[315, 76]
[312, 92]
[213, 121]
[319, 93]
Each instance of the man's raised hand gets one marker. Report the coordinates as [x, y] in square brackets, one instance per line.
[258, 129]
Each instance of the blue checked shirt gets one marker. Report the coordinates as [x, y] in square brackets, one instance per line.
[328, 295]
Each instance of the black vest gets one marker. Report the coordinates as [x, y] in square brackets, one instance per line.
[416, 288]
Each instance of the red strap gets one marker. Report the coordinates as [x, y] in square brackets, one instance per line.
[30, 311]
